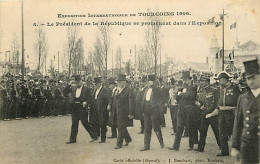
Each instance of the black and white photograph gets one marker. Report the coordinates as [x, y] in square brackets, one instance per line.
[128, 81]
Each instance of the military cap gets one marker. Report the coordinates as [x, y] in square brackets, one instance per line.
[185, 75]
[223, 74]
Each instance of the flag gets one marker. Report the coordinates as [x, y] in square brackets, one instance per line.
[234, 25]
[222, 16]
[218, 24]
[211, 20]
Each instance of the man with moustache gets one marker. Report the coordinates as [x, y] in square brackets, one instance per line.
[124, 104]
[80, 100]
[150, 103]
[246, 132]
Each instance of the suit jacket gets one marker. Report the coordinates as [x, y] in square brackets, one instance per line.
[124, 103]
[246, 126]
[84, 96]
[155, 98]
[138, 104]
[98, 111]
[188, 98]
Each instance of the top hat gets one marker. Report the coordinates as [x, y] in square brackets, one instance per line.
[160, 79]
[144, 78]
[151, 77]
[111, 81]
[97, 80]
[121, 77]
[251, 67]
[172, 81]
[185, 75]
[77, 77]
[223, 74]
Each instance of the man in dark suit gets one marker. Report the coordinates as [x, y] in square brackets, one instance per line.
[99, 113]
[187, 110]
[151, 102]
[124, 104]
[80, 100]
[112, 113]
[246, 132]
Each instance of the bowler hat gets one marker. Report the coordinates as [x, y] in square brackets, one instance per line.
[186, 75]
[151, 77]
[97, 80]
[121, 77]
[251, 67]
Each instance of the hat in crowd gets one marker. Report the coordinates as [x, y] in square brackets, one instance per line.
[97, 80]
[160, 79]
[251, 67]
[152, 77]
[204, 77]
[195, 78]
[144, 79]
[77, 77]
[172, 81]
[185, 75]
[111, 81]
[180, 83]
[121, 77]
[223, 74]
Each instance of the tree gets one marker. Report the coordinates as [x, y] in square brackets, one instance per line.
[128, 67]
[78, 56]
[105, 43]
[152, 36]
[98, 59]
[41, 46]
[15, 47]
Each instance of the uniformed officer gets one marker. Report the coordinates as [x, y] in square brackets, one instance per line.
[150, 104]
[207, 102]
[229, 93]
[246, 132]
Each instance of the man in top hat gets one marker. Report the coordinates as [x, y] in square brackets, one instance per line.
[207, 102]
[187, 111]
[228, 97]
[165, 96]
[124, 104]
[80, 100]
[112, 113]
[172, 103]
[99, 114]
[246, 132]
[151, 105]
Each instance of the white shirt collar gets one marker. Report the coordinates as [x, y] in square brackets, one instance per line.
[256, 92]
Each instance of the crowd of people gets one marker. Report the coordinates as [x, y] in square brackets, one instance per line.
[194, 103]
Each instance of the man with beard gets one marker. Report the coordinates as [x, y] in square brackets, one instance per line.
[80, 99]
[99, 113]
[150, 103]
[124, 107]
[246, 132]
[228, 97]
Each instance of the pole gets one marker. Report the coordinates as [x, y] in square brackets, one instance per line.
[112, 63]
[223, 50]
[135, 64]
[160, 61]
[58, 61]
[22, 45]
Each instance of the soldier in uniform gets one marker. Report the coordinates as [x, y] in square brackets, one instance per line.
[228, 97]
[187, 110]
[151, 104]
[246, 132]
[124, 107]
[207, 102]
[112, 112]
[99, 113]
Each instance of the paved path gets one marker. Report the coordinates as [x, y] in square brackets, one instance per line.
[42, 141]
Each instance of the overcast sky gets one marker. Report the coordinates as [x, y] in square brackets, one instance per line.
[188, 43]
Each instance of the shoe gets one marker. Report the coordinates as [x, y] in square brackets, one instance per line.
[126, 144]
[70, 142]
[199, 150]
[144, 149]
[101, 141]
[162, 145]
[222, 154]
[26, 117]
[190, 149]
[171, 148]
[173, 134]
[112, 137]
[93, 139]
[118, 147]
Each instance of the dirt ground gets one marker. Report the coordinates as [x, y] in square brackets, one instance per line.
[42, 141]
